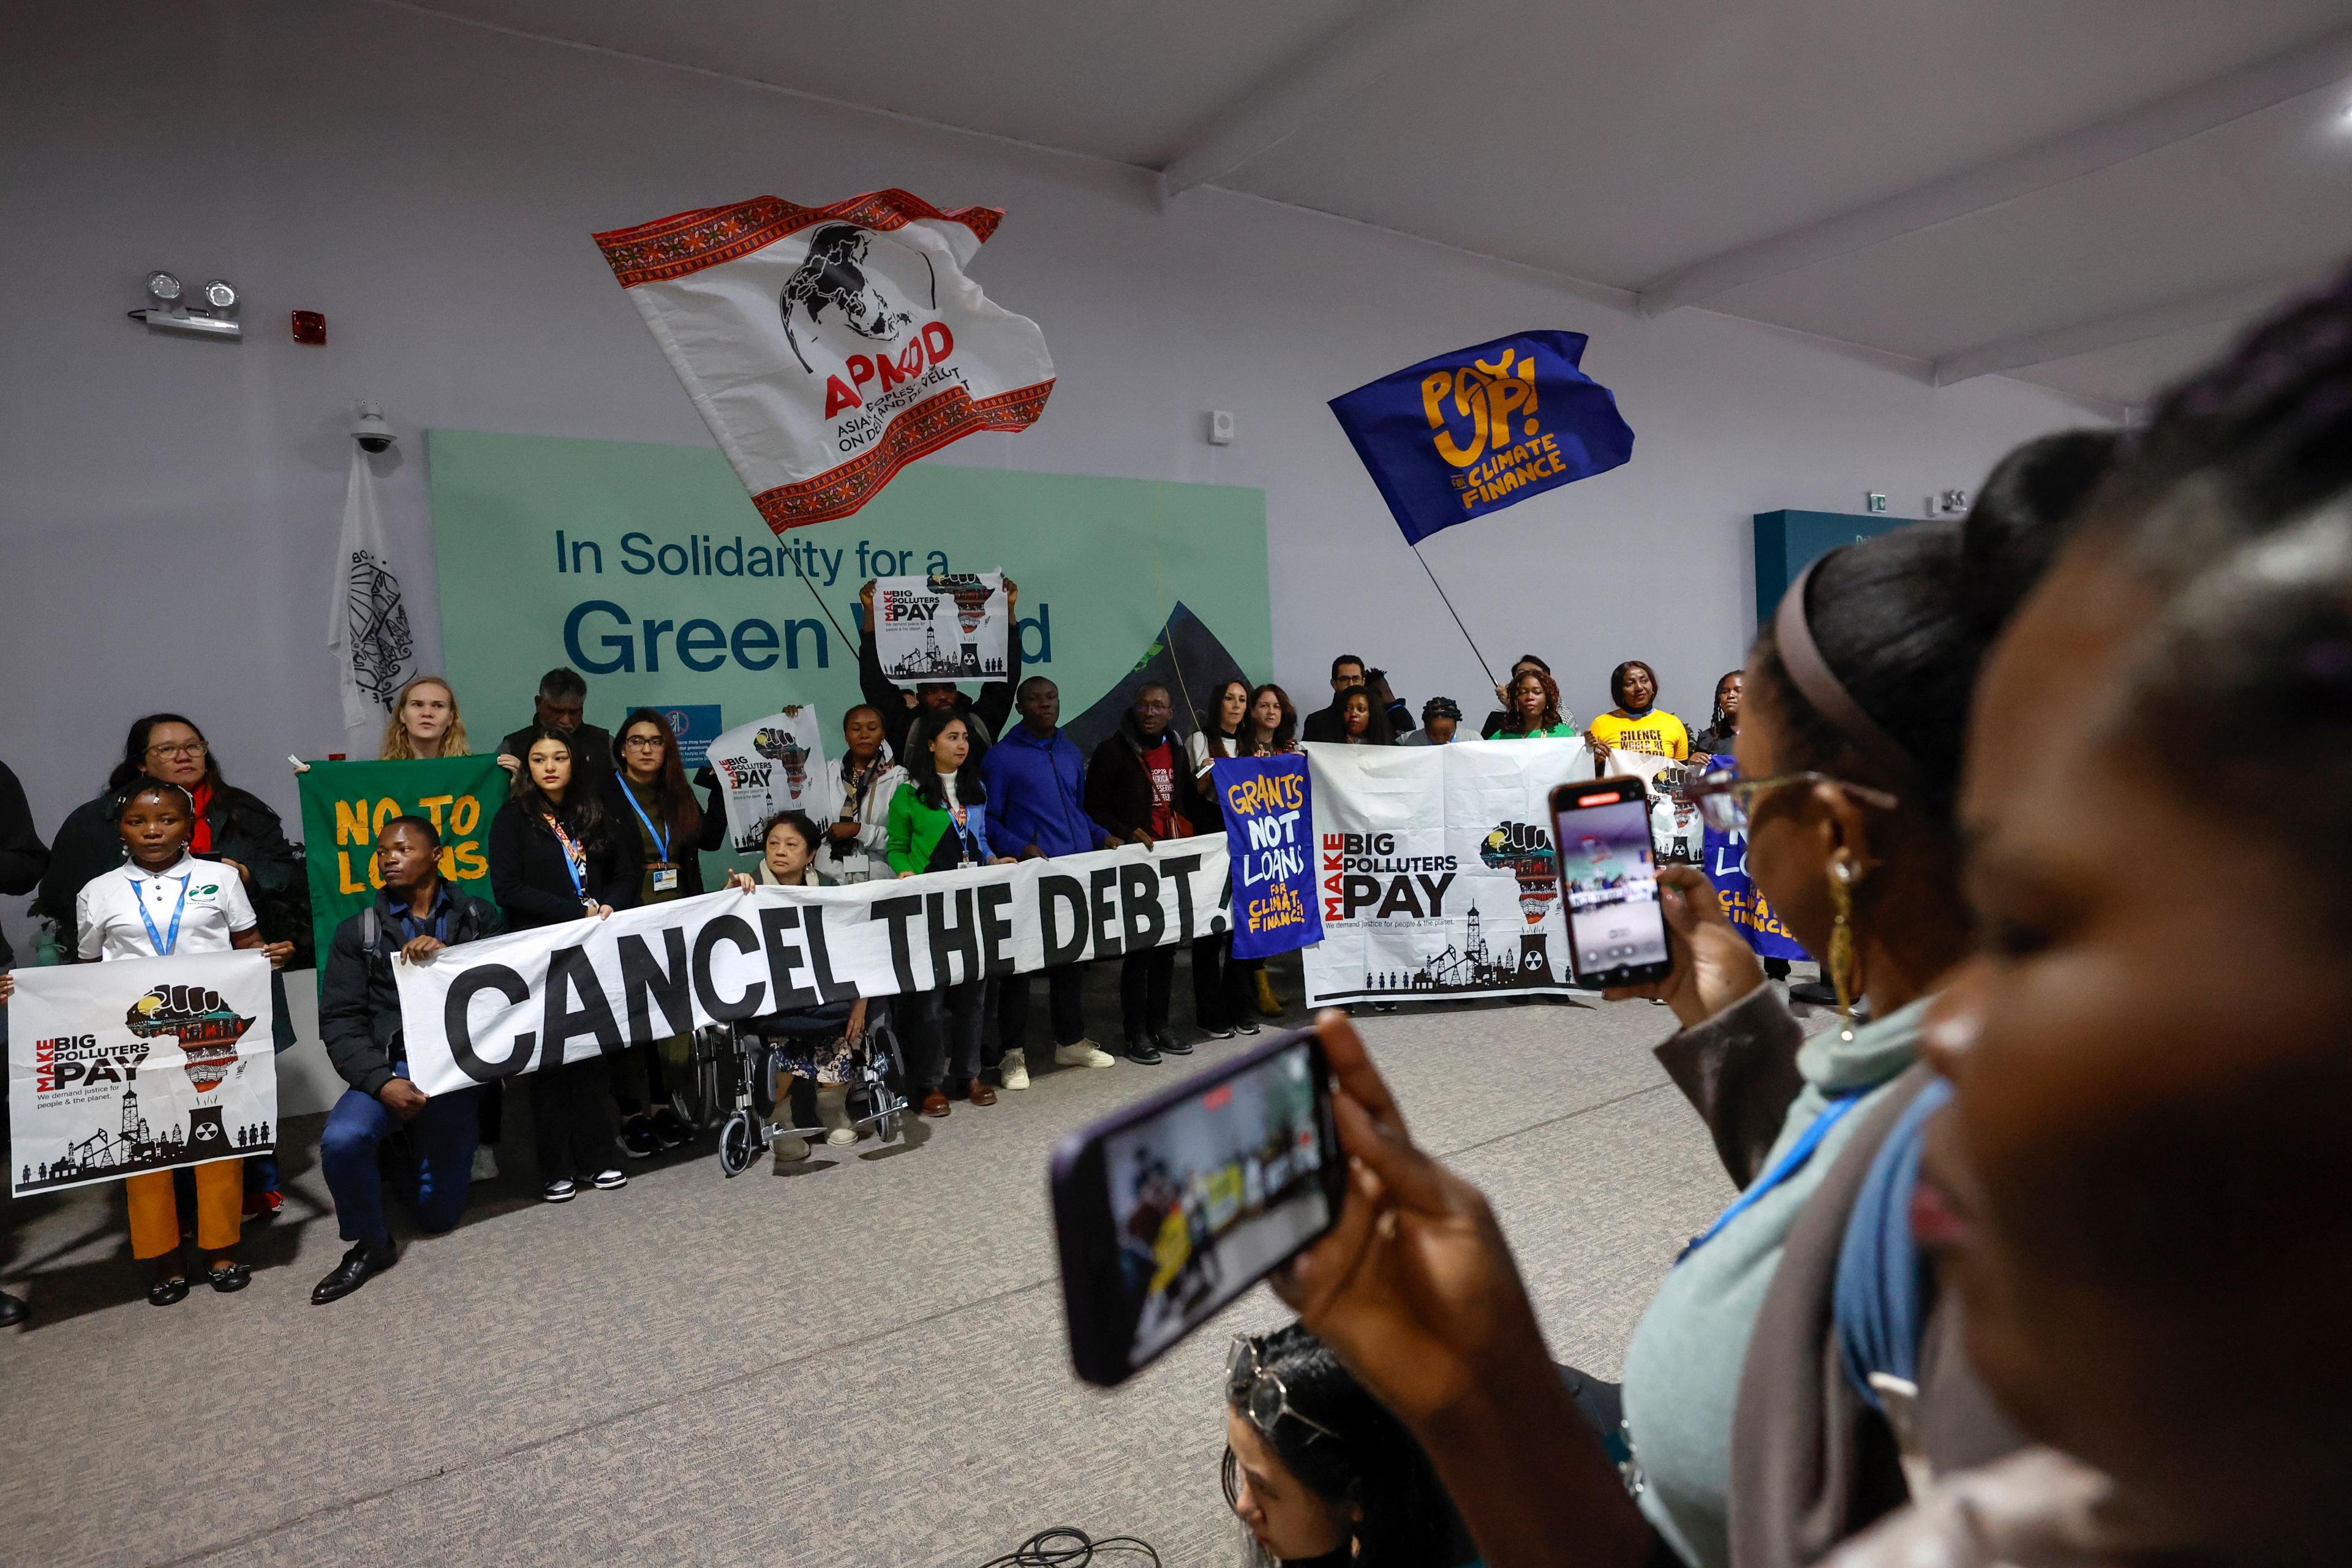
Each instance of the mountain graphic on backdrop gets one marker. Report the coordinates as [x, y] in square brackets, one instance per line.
[1185, 656]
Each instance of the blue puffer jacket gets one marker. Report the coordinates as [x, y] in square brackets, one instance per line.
[1036, 792]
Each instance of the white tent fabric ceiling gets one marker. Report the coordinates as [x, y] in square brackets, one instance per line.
[2083, 194]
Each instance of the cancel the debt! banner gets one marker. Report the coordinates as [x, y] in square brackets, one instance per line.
[512, 1004]
[1436, 872]
[139, 1064]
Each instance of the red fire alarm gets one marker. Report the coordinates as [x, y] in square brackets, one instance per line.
[311, 326]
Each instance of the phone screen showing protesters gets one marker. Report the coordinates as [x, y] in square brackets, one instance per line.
[1171, 1208]
[1609, 872]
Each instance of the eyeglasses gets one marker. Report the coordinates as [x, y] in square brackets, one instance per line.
[653, 741]
[191, 749]
[1726, 802]
[1257, 1391]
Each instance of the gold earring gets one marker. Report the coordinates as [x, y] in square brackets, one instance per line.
[1845, 963]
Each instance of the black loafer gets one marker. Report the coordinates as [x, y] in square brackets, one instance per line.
[13, 1310]
[359, 1266]
[231, 1279]
[638, 1139]
[167, 1292]
[1171, 1046]
[1141, 1051]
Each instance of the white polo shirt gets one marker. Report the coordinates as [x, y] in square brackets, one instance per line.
[107, 911]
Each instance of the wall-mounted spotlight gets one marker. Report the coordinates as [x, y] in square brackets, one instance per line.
[214, 316]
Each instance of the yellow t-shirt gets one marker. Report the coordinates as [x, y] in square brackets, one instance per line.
[1657, 734]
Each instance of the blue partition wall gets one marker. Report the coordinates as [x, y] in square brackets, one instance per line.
[1786, 541]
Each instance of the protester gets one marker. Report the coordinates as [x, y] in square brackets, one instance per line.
[1140, 792]
[1274, 723]
[1501, 718]
[1724, 726]
[383, 1116]
[1036, 783]
[1327, 724]
[857, 844]
[1536, 712]
[232, 826]
[938, 822]
[646, 791]
[562, 702]
[425, 723]
[1440, 718]
[818, 1043]
[555, 858]
[1851, 838]
[1362, 720]
[1318, 1472]
[983, 716]
[1221, 982]
[160, 902]
[1637, 723]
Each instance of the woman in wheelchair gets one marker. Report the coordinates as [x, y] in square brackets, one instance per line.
[825, 1044]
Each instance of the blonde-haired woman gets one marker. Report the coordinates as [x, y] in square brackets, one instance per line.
[425, 723]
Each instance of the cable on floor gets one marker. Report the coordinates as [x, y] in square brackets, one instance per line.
[1067, 1546]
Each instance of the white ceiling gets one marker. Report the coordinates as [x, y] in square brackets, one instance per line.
[1619, 144]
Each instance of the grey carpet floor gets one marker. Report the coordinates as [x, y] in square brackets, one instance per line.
[858, 1363]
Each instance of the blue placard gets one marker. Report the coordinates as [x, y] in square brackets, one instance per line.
[1484, 428]
[1268, 809]
[695, 725]
[1743, 906]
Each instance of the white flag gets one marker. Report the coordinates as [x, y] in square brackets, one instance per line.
[828, 347]
[367, 621]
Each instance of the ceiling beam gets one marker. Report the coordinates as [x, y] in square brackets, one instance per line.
[2304, 68]
[2108, 332]
[1374, 40]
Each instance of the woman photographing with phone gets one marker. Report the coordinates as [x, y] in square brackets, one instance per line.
[555, 858]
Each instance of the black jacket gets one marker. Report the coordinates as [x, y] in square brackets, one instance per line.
[591, 750]
[23, 856]
[529, 877]
[623, 823]
[359, 1004]
[1118, 786]
[990, 707]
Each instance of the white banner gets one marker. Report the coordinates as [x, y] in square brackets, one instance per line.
[828, 347]
[139, 1064]
[949, 626]
[508, 1004]
[1437, 872]
[771, 764]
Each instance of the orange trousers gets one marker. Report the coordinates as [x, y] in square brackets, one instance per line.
[155, 1208]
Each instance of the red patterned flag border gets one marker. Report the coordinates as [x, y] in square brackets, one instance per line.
[687, 242]
[926, 427]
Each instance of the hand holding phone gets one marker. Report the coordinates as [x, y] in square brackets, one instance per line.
[1169, 1209]
[1712, 965]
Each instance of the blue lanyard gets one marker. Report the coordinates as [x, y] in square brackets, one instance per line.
[661, 838]
[573, 856]
[162, 942]
[1788, 1165]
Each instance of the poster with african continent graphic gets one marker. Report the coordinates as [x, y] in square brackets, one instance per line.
[138, 1065]
[771, 764]
[949, 625]
[1436, 872]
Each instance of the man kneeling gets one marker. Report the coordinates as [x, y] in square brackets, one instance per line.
[417, 914]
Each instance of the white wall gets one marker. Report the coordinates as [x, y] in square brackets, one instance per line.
[168, 506]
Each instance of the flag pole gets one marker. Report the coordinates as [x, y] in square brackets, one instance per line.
[1450, 610]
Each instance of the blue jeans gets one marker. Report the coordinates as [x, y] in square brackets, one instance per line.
[436, 1170]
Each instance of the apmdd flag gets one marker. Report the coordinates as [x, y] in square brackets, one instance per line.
[829, 347]
[1471, 432]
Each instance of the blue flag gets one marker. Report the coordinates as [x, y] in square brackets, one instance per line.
[1748, 910]
[1471, 432]
[1267, 812]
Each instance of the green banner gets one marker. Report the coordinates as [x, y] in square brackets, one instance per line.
[346, 804]
[647, 569]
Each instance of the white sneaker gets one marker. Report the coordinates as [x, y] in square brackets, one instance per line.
[558, 1191]
[610, 1180]
[486, 1164]
[1083, 1054]
[1015, 1069]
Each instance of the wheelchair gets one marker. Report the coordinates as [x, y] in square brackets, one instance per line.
[735, 1074]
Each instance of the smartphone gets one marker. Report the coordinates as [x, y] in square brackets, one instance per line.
[1169, 1209]
[1609, 874]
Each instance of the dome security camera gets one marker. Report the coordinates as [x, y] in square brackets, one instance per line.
[370, 431]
